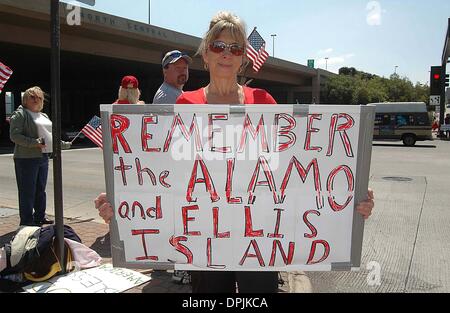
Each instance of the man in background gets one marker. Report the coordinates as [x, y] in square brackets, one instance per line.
[176, 73]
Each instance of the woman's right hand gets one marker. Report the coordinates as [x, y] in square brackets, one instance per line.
[104, 208]
[40, 143]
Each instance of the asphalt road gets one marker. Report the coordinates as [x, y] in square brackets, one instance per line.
[83, 180]
[406, 241]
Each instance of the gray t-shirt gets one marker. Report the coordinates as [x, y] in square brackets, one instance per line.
[166, 94]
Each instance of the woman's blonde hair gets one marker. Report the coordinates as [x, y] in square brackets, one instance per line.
[33, 91]
[225, 21]
[131, 94]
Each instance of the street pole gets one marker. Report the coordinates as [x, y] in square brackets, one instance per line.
[56, 131]
[443, 103]
[395, 70]
[326, 63]
[273, 44]
[149, 10]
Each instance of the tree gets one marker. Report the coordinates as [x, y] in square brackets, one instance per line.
[349, 71]
[338, 90]
[356, 87]
[421, 92]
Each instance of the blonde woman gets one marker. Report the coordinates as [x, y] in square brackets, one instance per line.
[129, 92]
[223, 51]
[31, 131]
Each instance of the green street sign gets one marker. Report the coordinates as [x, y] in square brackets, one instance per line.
[311, 63]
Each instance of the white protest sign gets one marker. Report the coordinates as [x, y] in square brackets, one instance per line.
[237, 188]
[102, 279]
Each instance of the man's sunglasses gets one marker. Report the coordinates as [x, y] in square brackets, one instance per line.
[219, 47]
[177, 55]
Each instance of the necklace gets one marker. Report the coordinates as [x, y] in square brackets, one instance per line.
[234, 97]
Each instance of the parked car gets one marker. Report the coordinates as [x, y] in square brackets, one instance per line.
[69, 134]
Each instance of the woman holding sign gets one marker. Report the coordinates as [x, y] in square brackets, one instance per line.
[223, 51]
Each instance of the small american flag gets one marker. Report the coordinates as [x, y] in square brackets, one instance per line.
[93, 130]
[256, 50]
[5, 74]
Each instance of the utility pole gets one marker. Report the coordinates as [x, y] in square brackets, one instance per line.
[149, 11]
[273, 44]
[56, 131]
[55, 44]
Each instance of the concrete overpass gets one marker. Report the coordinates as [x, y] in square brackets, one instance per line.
[96, 54]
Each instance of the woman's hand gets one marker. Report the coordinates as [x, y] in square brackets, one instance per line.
[104, 208]
[40, 143]
[365, 207]
[106, 212]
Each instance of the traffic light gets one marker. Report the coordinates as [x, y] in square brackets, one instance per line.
[435, 81]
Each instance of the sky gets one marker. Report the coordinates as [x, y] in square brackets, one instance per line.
[378, 37]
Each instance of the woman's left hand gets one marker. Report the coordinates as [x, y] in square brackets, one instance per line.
[365, 207]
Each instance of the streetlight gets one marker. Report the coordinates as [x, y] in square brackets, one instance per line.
[149, 7]
[395, 69]
[326, 63]
[273, 44]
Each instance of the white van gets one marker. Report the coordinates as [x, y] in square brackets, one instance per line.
[406, 121]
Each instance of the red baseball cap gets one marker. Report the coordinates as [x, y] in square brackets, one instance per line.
[127, 80]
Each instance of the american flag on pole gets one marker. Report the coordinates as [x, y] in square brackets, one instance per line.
[5, 74]
[256, 50]
[93, 130]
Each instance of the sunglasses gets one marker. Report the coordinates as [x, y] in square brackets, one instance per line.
[219, 47]
[177, 55]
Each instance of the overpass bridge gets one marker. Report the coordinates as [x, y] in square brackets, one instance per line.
[98, 53]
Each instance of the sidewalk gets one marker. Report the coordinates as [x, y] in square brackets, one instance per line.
[96, 236]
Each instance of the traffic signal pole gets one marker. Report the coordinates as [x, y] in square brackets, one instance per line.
[444, 77]
[443, 102]
[437, 88]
